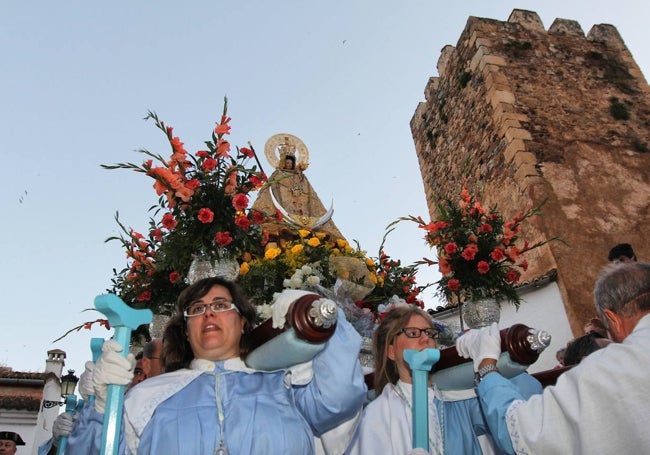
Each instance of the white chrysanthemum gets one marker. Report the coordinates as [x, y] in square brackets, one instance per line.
[397, 301]
[264, 311]
[307, 270]
[313, 280]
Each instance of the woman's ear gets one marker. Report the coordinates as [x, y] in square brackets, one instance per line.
[390, 352]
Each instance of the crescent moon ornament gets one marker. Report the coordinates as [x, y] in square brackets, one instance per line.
[302, 221]
[280, 145]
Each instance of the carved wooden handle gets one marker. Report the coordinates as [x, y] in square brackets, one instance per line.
[312, 323]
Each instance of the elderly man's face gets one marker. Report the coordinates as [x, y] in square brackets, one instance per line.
[7, 447]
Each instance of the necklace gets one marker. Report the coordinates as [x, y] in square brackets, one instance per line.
[435, 444]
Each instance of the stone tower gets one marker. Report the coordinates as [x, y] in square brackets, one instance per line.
[529, 115]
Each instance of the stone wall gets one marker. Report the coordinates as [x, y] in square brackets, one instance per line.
[527, 115]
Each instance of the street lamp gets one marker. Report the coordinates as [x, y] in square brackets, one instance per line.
[68, 384]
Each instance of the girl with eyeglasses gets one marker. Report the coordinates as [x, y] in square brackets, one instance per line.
[456, 425]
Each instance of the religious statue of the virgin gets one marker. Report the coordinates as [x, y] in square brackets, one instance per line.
[290, 193]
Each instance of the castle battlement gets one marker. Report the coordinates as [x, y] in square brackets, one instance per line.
[531, 114]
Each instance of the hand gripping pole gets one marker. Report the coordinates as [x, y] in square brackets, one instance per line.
[123, 319]
[421, 363]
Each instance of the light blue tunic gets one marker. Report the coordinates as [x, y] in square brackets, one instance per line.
[263, 413]
[456, 422]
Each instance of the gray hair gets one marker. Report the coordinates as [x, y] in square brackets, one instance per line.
[623, 289]
[149, 349]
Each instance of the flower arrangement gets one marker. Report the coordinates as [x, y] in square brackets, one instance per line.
[203, 208]
[393, 282]
[309, 260]
[479, 252]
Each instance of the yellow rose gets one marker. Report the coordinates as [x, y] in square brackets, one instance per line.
[370, 263]
[303, 233]
[297, 248]
[320, 235]
[373, 278]
[313, 242]
[244, 268]
[342, 243]
[272, 253]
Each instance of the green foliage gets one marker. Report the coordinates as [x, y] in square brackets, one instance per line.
[618, 110]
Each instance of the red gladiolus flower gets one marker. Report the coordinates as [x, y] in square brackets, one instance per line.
[247, 152]
[469, 253]
[240, 201]
[224, 128]
[513, 253]
[202, 154]
[453, 285]
[192, 184]
[483, 267]
[278, 215]
[230, 181]
[205, 215]
[451, 248]
[444, 266]
[168, 221]
[243, 222]
[174, 277]
[223, 147]
[223, 238]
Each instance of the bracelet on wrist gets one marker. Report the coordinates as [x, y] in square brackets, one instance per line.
[480, 374]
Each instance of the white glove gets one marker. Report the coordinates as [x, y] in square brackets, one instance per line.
[86, 387]
[62, 426]
[479, 344]
[111, 368]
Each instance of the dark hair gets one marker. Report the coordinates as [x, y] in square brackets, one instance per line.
[622, 249]
[177, 352]
[384, 335]
[623, 289]
[581, 347]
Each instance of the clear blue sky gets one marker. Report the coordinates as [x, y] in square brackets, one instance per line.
[77, 78]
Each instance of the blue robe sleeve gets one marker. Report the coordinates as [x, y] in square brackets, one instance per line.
[337, 390]
[46, 446]
[496, 394]
[86, 436]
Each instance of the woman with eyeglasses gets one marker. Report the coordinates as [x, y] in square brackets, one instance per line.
[456, 425]
[209, 402]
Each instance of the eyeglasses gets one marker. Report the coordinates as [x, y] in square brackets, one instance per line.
[217, 306]
[415, 332]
